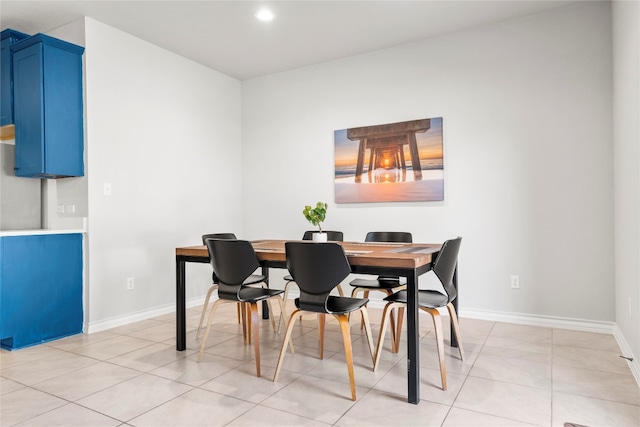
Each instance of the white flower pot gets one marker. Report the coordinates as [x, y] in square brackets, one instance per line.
[319, 237]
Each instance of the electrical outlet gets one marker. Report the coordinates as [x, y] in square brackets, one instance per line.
[71, 208]
[130, 284]
[107, 189]
[60, 209]
[515, 282]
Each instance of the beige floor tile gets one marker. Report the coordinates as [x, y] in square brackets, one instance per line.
[69, 416]
[194, 409]
[335, 368]
[112, 347]
[8, 386]
[24, 404]
[598, 384]
[49, 367]
[514, 370]
[150, 357]
[395, 382]
[517, 402]
[258, 415]
[85, 381]
[581, 339]
[9, 359]
[514, 330]
[378, 408]
[462, 418]
[593, 412]
[597, 360]
[188, 371]
[315, 398]
[133, 397]
[242, 383]
[157, 333]
[79, 340]
[135, 326]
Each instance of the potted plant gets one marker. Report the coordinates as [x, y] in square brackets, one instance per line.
[316, 216]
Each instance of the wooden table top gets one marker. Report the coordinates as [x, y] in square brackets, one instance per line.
[394, 255]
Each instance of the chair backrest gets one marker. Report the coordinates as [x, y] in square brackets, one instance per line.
[317, 268]
[223, 236]
[334, 236]
[389, 236]
[445, 265]
[232, 261]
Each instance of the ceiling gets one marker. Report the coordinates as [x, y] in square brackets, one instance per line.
[225, 36]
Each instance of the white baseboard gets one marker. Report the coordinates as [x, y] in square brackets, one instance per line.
[634, 363]
[103, 325]
[537, 320]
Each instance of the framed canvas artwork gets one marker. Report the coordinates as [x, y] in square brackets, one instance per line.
[395, 162]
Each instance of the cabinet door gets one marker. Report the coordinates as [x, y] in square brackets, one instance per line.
[29, 110]
[6, 112]
[40, 288]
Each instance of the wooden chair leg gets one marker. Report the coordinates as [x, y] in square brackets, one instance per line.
[244, 322]
[437, 325]
[283, 314]
[238, 311]
[383, 330]
[206, 332]
[283, 349]
[204, 308]
[367, 329]
[348, 351]
[456, 328]
[321, 324]
[256, 334]
[399, 330]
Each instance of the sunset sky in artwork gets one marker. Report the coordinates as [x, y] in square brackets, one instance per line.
[429, 146]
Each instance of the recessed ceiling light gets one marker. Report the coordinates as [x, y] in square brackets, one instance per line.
[265, 15]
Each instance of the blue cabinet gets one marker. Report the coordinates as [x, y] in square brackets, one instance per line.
[40, 288]
[48, 113]
[8, 38]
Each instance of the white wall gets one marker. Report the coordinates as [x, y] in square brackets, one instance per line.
[626, 119]
[165, 132]
[527, 110]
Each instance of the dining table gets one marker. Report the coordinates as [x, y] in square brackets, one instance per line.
[408, 260]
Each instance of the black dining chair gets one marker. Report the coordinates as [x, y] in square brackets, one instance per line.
[333, 236]
[253, 279]
[317, 268]
[234, 261]
[429, 301]
[385, 284]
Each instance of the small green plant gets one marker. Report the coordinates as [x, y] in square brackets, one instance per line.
[316, 215]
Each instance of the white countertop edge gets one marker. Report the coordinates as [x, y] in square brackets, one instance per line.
[8, 233]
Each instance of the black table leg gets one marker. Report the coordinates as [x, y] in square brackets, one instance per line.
[413, 340]
[181, 323]
[265, 306]
[453, 338]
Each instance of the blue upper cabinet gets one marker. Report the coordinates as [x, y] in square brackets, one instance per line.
[48, 114]
[8, 37]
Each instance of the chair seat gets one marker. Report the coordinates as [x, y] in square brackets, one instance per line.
[249, 294]
[426, 298]
[376, 283]
[338, 305]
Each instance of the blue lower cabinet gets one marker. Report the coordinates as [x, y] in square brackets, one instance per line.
[40, 288]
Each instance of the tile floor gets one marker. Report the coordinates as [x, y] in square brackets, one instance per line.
[512, 375]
